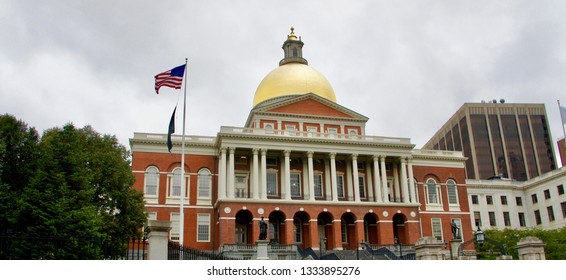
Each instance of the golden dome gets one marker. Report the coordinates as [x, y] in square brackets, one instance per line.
[293, 78]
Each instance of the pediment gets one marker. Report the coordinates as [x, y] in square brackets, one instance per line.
[307, 105]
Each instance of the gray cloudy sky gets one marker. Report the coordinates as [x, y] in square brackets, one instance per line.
[407, 65]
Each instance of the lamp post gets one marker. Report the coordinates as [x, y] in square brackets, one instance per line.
[480, 237]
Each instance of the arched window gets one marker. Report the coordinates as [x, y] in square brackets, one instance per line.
[432, 191]
[204, 183]
[151, 182]
[175, 185]
[452, 192]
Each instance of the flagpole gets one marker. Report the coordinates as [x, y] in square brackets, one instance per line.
[561, 121]
[182, 200]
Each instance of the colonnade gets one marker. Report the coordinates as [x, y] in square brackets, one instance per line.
[376, 176]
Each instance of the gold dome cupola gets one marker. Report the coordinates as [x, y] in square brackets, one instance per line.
[293, 76]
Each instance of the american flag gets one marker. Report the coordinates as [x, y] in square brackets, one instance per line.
[172, 78]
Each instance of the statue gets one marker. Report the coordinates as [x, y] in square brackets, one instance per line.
[262, 229]
[454, 226]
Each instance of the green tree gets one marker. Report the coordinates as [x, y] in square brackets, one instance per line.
[555, 241]
[79, 197]
[18, 156]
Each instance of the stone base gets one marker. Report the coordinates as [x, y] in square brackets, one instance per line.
[261, 246]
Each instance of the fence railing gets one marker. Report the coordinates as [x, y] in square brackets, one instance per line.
[51, 247]
[178, 252]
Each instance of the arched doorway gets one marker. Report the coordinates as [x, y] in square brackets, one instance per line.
[301, 230]
[244, 224]
[325, 233]
[371, 229]
[348, 230]
[399, 229]
[276, 229]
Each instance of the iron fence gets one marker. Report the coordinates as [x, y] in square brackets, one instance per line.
[51, 247]
[178, 252]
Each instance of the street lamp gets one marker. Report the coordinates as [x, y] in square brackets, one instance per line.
[480, 237]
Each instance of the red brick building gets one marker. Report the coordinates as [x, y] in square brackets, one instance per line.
[304, 164]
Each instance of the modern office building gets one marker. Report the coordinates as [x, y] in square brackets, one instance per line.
[303, 163]
[499, 139]
[502, 203]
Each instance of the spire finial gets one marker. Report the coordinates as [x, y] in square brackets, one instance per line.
[292, 36]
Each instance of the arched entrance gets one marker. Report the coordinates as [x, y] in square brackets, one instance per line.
[399, 229]
[301, 230]
[348, 230]
[371, 229]
[244, 224]
[325, 233]
[276, 229]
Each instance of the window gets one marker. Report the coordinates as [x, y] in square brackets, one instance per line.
[489, 199]
[295, 184]
[270, 161]
[492, 221]
[318, 185]
[312, 131]
[271, 182]
[203, 228]
[174, 233]
[152, 216]
[503, 200]
[437, 228]
[537, 217]
[361, 180]
[332, 132]
[352, 133]
[151, 181]
[519, 201]
[563, 205]
[340, 184]
[522, 222]
[475, 199]
[432, 191]
[506, 219]
[298, 230]
[560, 189]
[452, 192]
[534, 198]
[546, 194]
[477, 218]
[204, 183]
[241, 186]
[550, 212]
[175, 185]
[268, 126]
[291, 129]
[344, 230]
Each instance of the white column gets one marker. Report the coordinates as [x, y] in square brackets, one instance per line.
[263, 185]
[384, 180]
[404, 186]
[311, 175]
[222, 175]
[369, 182]
[376, 179]
[333, 177]
[230, 180]
[412, 181]
[287, 169]
[255, 175]
[397, 192]
[355, 178]
[349, 183]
